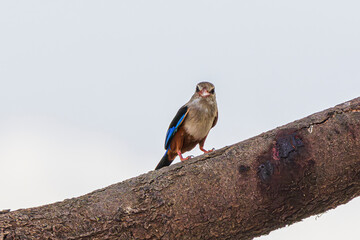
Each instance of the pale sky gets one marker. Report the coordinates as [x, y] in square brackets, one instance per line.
[88, 88]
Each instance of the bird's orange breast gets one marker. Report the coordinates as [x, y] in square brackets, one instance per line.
[182, 141]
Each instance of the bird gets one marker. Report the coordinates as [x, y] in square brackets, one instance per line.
[191, 125]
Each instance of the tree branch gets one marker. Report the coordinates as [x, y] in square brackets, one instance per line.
[238, 192]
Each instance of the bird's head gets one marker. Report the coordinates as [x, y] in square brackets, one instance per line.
[205, 90]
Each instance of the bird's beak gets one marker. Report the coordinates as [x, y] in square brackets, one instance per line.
[204, 93]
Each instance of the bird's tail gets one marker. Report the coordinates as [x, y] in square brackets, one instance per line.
[165, 161]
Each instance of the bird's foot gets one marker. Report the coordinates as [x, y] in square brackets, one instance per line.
[182, 158]
[187, 158]
[206, 151]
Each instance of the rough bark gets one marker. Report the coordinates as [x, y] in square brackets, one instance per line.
[238, 192]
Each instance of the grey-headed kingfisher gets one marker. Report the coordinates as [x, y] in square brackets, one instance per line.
[191, 125]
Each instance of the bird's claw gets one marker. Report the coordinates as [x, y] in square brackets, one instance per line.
[187, 158]
[211, 150]
[207, 151]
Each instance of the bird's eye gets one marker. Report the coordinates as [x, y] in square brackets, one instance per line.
[212, 91]
[197, 89]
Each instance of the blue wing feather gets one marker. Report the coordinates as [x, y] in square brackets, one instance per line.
[174, 125]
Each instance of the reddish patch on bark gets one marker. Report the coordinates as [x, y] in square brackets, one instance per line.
[283, 167]
[275, 153]
[282, 157]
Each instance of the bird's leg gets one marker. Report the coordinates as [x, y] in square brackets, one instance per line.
[201, 145]
[181, 157]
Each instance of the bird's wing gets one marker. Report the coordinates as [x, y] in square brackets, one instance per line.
[215, 119]
[175, 124]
